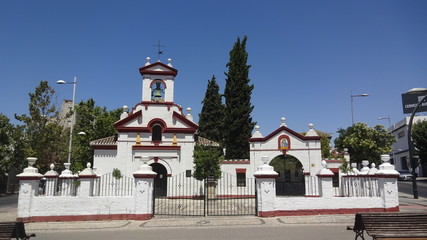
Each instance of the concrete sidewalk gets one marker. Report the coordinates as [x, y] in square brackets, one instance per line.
[8, 213]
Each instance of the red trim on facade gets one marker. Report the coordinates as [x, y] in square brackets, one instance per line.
[283, 128]
[70, 218]
[266, 176]
[155, 121]
[160, 147]
[180, 130]
[127, 119]
[279, 145]
[105, 147]
[51, 176]
[306, 173]
[156, 159]
[158, 80]
[325, 175]
[324, 211]
[312, 196]
[147, 130]
[332, 161]
[334, 170]
[136, 175]
[185, 120]
[235, 162]
[293, 149]
[144, 70]
[240, 170]
[168, 175]
[88, 176]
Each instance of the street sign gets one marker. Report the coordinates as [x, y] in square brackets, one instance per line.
[410, 101]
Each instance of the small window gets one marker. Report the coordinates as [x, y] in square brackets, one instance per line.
[401, 134]
[157, 133]
[241, 179]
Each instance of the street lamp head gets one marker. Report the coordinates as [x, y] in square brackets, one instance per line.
[417, 90]
[61, 82]
[364, 95]
[82, 133]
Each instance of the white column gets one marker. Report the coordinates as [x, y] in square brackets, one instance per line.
[387, 184]
[87, 177]
[144, 185]
[29, 187]
[266, 188]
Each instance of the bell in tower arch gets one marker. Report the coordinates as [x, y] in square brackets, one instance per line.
[157, 93]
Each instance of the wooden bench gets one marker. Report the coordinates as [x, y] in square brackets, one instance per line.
[391, 226]
[9, 230]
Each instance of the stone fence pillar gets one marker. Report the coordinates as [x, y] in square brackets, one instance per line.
[87, 177]
[51, 181]
[387, 184]
[266, 188]
[29, 187]
[326, 189]
[144, 186]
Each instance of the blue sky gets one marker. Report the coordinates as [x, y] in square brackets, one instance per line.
[306, 56]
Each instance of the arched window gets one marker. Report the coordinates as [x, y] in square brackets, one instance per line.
[157, 133]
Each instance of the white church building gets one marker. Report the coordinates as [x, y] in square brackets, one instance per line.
[157, 129]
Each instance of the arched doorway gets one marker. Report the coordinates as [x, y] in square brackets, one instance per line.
[160, 181]
[290, 181]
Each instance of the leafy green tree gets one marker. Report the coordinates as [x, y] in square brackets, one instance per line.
[96, 122]
[419, 137]
[238, 123]
[364, 142]
[45, 137]
[206, 161]
[5, 144]
[212, 114]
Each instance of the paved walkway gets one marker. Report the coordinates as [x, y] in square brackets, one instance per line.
[8, 213]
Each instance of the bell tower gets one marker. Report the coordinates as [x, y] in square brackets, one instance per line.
[158, 81]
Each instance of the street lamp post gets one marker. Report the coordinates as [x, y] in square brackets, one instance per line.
[391, 131]
[353, 96]
[73, 117]
[410, 144]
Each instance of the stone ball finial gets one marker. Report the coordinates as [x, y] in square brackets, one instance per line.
[148, 59]
[88, 165]
[67, 166]
[365, 163]
[324, 164]
[257, 128]
[373, 165]
[189, 109]
[310, 125]
[169, 60]
[283, 119]
[52, 166]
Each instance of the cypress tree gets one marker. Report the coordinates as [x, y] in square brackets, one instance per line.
[238, 123]
[211, 116]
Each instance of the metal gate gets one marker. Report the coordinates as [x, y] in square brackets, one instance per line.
[187, 196]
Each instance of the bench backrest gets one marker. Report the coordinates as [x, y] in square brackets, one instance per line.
[6, 230]
[411, 225]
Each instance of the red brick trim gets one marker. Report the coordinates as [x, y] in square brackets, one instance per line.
[144, 175]
[324, 211]
[51, 176]
[88, 176]
[128, 118]
[104, 147]
[283, 128]
[158, 80]
[325, 175]
[144, 70]
[159, 147]
[266, 176]
[70, 218]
